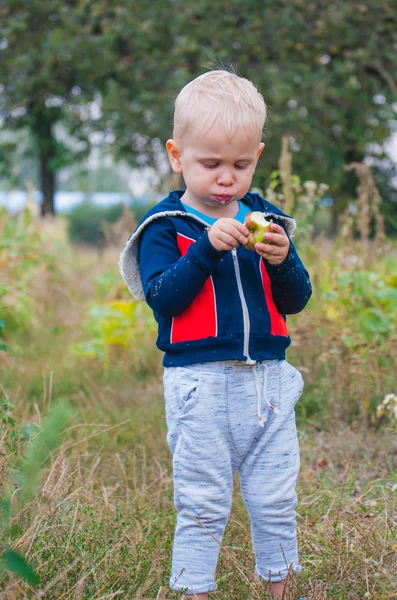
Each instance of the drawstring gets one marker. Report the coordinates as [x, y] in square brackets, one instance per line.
[259, 396]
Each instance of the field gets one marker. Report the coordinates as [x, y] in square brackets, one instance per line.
[87, 509]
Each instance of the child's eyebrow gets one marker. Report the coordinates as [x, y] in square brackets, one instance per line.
[241, 159]
[209, 157]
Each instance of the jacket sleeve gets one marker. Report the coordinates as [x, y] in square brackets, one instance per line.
[291, 287]
[171, 281]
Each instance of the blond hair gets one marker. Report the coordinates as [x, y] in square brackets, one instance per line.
[223, 97]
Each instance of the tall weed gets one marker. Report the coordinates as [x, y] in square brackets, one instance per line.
[27, 451]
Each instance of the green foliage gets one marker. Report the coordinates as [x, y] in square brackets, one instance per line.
[139, 209]
[30, 254]
[85, 222]
[25, 470]
[106, 284]
[12, 435]
[344, 341]
[116, 328]
[2, 325]
[326, 71]
[39, 449]
[364, 302]
[37, 95]
[14, 562]
[21, 257]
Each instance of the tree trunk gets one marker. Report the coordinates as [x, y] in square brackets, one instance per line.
[46, 144]
[47, 184]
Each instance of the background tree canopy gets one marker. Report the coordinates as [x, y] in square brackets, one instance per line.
[327, 70]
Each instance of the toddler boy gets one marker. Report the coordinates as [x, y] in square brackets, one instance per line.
[229, 392]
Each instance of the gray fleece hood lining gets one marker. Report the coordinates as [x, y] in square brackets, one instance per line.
[128, 262]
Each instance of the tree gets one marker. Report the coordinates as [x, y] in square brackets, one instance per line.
[57, 58]
[47, 56]
[327, 70]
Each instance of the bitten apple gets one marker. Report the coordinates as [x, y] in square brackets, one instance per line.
[257, 226]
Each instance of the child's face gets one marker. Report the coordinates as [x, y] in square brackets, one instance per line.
[217, 170]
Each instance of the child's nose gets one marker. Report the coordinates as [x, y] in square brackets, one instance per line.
[225, 178]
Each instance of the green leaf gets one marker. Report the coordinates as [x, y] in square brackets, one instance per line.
[374, 321]
[392, 281]
[39, 449]
[14, 562]
[5, 505]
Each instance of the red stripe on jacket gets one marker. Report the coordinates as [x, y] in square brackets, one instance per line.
[198, 321]
[277, 324]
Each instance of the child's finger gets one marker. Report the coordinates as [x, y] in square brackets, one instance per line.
[277, 239]
[241, 228]
[267, 250]
[278, 229]
[233, 224]
[240, 232]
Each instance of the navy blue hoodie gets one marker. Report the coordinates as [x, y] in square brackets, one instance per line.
[210, 304]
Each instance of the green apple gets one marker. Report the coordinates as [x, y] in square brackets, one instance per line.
[257, 226]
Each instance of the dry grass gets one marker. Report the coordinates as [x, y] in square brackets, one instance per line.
[103, 519]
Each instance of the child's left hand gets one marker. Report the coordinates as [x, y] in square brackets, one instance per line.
[277, 250]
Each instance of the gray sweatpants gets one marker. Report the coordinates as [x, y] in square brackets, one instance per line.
[225, 417]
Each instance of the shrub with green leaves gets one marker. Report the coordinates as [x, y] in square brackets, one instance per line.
[85, 222]
[117, 329]
[363, 302]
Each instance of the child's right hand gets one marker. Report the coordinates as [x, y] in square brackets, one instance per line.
[227, 233]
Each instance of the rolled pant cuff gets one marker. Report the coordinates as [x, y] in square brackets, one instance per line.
[280, 575]
[204, 588]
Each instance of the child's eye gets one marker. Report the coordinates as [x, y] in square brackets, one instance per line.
[241, 166]
[210, 166]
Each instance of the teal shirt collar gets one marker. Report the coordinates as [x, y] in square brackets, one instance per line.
[243, 210]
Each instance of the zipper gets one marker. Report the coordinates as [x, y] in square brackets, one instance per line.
[246, 319]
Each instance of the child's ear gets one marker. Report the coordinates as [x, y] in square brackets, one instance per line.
[174, 155]
[260, 150]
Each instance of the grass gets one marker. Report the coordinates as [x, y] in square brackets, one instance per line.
[101, 524]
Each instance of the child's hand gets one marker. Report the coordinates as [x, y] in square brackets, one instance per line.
[226, 234]
[277, 250]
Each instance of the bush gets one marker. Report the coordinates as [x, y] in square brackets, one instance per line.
[118, 327]
[85, 222]
[139, 209]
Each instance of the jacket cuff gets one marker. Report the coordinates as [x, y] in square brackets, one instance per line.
[280, 271]
[205, 255]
